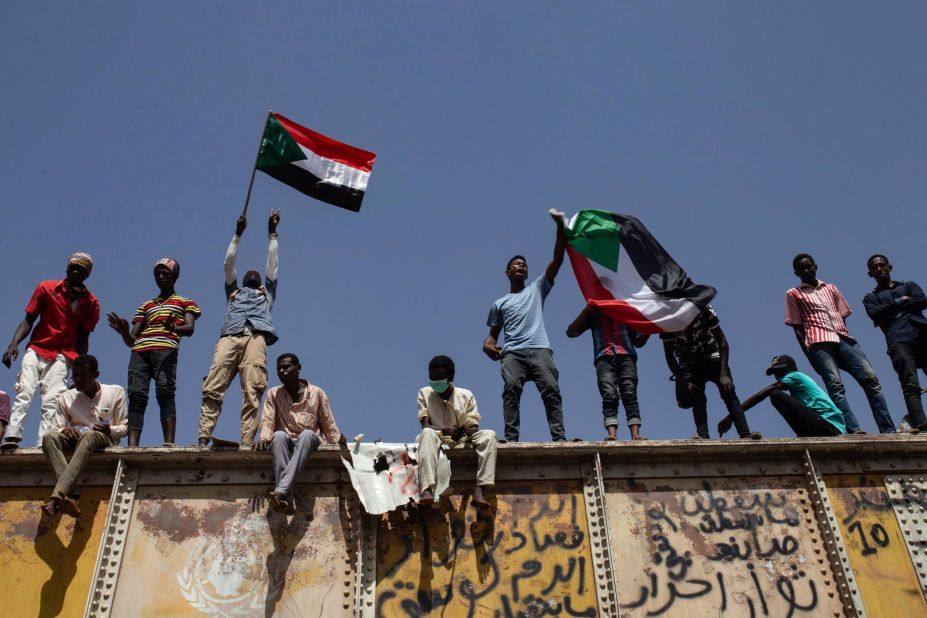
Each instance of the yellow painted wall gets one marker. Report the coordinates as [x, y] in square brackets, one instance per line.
[529, 555]
[48, 562]
[886, 578]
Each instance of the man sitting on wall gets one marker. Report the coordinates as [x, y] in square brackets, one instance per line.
[90, 417]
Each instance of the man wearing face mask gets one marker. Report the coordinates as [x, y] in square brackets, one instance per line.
[448, 414]
[242, 345]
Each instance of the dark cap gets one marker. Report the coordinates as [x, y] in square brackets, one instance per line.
[783, 361]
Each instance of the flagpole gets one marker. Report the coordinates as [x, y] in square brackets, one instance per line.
[244, 210]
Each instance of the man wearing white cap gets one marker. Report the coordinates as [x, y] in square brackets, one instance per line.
[67, 313]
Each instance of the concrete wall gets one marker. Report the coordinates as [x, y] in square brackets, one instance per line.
[777, 528]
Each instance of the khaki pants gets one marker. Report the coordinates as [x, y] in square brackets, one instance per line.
[55, 443]
[245, 355]
[429, 444]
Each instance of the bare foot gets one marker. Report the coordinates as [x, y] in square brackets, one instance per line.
[50, 508]
[69, 507]
[479, 497]
[638, 436]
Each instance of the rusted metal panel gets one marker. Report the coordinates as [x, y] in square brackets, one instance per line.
[48, 561]
[217, 549]
[724, 546]
[875, 546]
[529, 554]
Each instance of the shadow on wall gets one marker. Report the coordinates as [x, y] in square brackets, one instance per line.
[60, 558]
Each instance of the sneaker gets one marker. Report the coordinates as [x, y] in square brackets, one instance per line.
[755, 435]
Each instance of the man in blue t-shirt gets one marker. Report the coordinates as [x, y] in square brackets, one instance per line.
[807, 409]
[526, 355]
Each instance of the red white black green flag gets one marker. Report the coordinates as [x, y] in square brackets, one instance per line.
[624, 272]
[314, 164]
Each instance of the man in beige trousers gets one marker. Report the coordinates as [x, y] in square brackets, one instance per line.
[90, 417]
[242, 345]
[448, 413]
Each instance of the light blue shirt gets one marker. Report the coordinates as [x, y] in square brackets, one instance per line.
[521, 316]
[804, 389]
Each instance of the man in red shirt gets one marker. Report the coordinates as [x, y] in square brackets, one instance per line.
[67, 313]
[817, 311]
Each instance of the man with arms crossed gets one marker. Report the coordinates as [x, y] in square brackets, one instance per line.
[90, 417]
[297, 419]
[817, 312]
[448, 413]
[526, 354]
[67, 313]
[897, 308]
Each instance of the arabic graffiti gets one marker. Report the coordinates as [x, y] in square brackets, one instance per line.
[527, 555]
[729, 546]
[865, 514]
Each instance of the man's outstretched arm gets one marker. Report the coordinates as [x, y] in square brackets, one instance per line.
[559, 245]
[727, 422]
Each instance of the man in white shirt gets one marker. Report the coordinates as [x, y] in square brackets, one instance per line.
[90, 417]
[448, 413]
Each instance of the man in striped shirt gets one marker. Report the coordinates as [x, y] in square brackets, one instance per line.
[615, 367]
[154, 338]
[297, 419]
[817, 312]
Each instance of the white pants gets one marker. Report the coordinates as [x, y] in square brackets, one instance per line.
[429, 444]
[52, 376]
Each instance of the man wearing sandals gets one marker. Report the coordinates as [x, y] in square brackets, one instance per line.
[90, 417]
[448, 413]
[297, 419]
[614, 346]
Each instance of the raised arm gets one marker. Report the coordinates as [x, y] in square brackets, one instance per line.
[121, 326]
[270, 273]
[559, 245]
[231, 275]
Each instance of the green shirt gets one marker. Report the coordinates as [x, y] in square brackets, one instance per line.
[804, 389]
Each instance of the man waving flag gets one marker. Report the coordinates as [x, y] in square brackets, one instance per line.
[314, 164]
[623, 271]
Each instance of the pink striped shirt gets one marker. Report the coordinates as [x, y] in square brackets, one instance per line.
[821, 310]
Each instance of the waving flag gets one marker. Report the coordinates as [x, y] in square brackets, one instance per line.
[623, 271]
[314, 164]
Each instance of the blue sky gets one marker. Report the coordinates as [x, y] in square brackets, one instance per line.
[739, 133]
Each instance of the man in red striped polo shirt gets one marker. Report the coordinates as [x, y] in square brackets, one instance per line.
[817, 312]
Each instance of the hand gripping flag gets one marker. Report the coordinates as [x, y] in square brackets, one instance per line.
[316, 165]
[623, 271]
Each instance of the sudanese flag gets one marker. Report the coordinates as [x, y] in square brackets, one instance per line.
[314, 164]
[624, 272]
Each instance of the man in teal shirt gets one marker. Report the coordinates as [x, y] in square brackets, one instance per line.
[807, 409]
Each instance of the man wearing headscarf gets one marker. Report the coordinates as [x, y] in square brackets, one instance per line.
[67, 313]
[246, 333]
[154, 338]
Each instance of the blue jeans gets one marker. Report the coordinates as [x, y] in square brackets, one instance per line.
[617, 378]
[290, 456]
[828, 358]
[534, 365]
